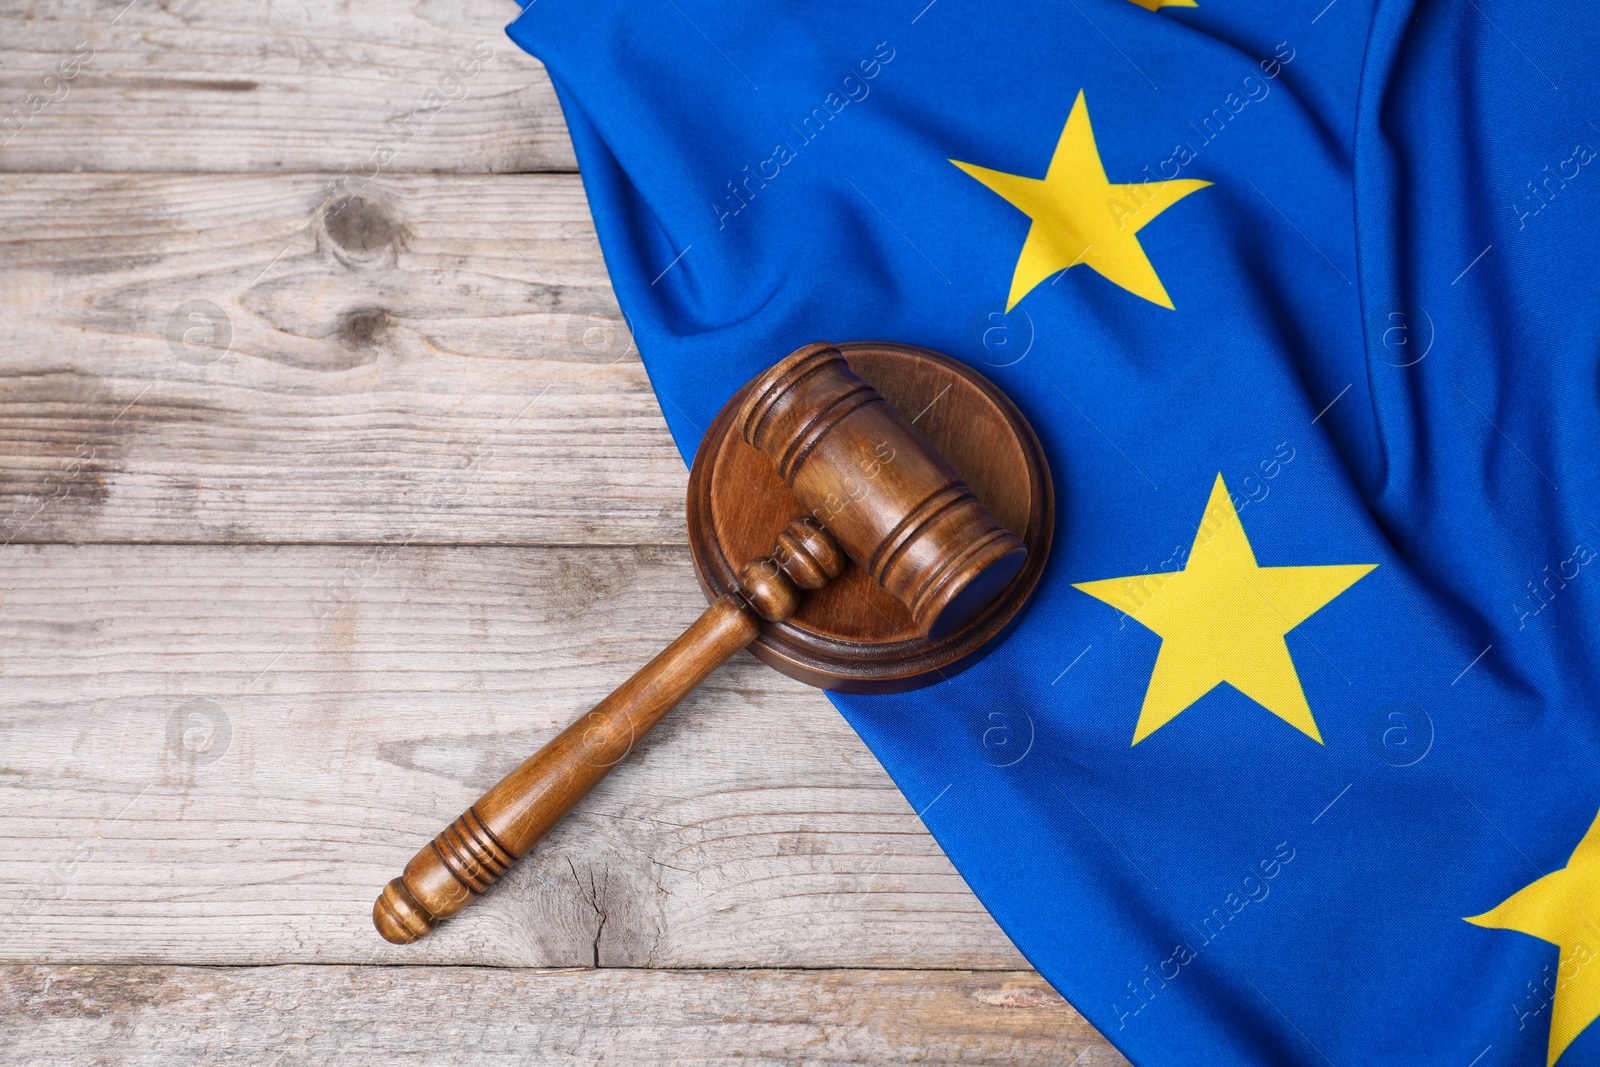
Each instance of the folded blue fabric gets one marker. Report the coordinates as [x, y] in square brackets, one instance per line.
[1293, 758]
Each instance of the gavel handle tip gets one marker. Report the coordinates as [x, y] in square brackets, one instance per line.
[398, 916]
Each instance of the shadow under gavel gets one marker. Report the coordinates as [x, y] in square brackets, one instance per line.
[914, 526]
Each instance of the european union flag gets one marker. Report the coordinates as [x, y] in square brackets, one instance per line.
[1293, 758]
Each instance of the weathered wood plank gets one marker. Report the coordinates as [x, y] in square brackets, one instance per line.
[157, 1016]
[221, 754]
[230, 358]
[239, 85]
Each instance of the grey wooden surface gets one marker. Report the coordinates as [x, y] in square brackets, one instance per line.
[152, 1016]
[273, 86]
[323, 502]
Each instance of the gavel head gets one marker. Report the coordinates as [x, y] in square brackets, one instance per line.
[896, 507]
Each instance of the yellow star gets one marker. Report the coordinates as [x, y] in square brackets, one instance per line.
[1080, 217]
[1223, 618]
[1151, 5]
[1559, 908]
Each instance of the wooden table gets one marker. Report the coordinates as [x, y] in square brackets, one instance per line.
[332, 486]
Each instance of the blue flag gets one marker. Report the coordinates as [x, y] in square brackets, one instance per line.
[1292, 760]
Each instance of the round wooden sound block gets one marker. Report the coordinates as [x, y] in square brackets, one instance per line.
[852, 635]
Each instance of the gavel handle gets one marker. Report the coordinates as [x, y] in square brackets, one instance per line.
[516, 813]
[522, 807]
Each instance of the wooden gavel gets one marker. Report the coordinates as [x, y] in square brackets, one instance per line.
[891, 504]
